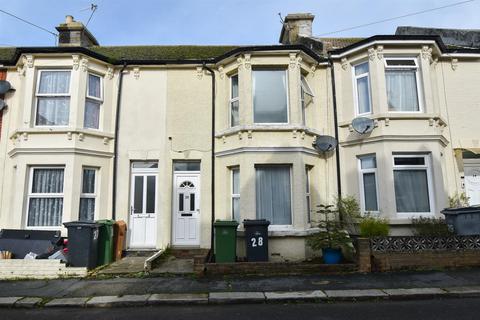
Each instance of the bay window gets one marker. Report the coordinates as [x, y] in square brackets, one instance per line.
[93, 102]
[236, 194]
[362, 88]
[368, 183]
[52, 98]
[413, 185]
[273, 193]
[270, 96]
[45, 197]
[88, 195]
[402, 81]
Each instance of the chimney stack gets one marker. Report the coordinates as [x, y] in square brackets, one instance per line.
[74, 34]
[296, 26]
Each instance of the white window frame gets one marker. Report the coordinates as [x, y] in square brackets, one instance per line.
[305, 89]
[428, 167]
[234, 195]
[361, 172]
[232, 100]
[287, 93]
[30, 195]
[90, 195]
[95, 99]
[417, 80]
[308, 194]
[279, 227]
[52, 95]
[355, 88]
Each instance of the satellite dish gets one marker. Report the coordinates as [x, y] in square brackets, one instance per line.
[3, 105]
[5, 86]
[363, 125]
[325, 143]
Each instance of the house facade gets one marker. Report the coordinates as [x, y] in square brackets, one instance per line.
[171, 138]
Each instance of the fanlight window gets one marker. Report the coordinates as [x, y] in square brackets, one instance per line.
[187, 184]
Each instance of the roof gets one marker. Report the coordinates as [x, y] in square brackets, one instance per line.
[330, 44]
[459, 38]
[182, 54]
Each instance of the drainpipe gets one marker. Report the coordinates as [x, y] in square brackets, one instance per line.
[335, 120]
[115, 143]
[212, 73]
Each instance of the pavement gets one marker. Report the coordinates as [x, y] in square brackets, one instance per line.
[120, 292]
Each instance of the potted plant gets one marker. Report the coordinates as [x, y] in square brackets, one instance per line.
[331, 237]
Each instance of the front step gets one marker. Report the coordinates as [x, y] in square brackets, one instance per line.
[188, 253]
[139, 253]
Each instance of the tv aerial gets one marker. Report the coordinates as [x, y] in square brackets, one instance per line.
[363, 125]
[325, 143]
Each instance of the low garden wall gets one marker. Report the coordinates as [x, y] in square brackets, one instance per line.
[415, 252]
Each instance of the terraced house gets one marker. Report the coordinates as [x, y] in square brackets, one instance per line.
[170, 138]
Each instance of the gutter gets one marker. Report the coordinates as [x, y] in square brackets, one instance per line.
[212, 73]
[115, 144]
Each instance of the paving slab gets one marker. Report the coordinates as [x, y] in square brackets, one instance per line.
[125, 266]
[236, 297]
[28, 302]
[295, 296]
[178, 298]
[8, 301]
[67, 302]
[174, 265]
[114, 301]
[414, 293]
[363, 294]
[464, 291]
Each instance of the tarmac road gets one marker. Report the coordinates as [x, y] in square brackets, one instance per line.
[438, 309]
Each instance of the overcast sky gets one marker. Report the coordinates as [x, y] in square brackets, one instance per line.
[129, 22]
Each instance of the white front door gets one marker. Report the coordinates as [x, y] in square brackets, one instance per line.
[472, 184]
[186, 209]
[143, 209]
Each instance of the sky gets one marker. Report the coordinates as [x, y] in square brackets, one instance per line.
[217, 22]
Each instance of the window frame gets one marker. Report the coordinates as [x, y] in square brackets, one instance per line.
[304, 92]
[232, 194]
[51, 95]
[278, 227]
[355, 79]
[287, 96]
[308, 192]
[98, 100]
[417, 80]
[233, 100]
[427, 166]
[30, 195]
[361, 172]
[89, 195]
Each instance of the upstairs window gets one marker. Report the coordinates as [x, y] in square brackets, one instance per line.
[234, 103]
[270, 96]
[306, 97]
[52, 98]
[401, 76]
[93, 102]
[362, 88]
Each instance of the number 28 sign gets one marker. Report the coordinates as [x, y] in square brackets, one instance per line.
[256, 241]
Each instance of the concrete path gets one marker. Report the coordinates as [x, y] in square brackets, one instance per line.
[173, 265]
[126, 265]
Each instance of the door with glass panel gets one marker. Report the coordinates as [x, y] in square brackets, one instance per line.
[143, 205]
[472, 183]
[186, 209]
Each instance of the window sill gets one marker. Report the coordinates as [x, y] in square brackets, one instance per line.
[61, 130]
[401, 116]
[266, 128]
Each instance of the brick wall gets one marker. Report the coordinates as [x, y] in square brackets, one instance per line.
[3, 76]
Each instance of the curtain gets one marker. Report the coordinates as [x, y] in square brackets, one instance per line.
[402, 90]
[87, 209]
[52, 82]
[363, 95]
[273, 198]
[53, 111]
[91, 117]
[94, 86]
[234, 105]
[411, 190]
[46, 211]
[236, 194]
[370, 189]
[270, 96]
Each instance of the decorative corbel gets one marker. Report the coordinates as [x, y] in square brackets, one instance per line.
[28, 60]
[240, 135]
[431, 122]
[110, 73]
[387, 122]
[25, 136]
[199, 72]
[372, 53]
[224, 139]
[294, 133]
[313, 68]
[136, 73]
[21, 70]
[380, 52]
[454, 64]
[239, 63]
[293, 60]
[106, 140]
[246, 61]
[75, 61]
[84, 64]
[81, 137]
[344, 63]
[427, 53]
[249, 134]
[350, 128]
[69, 135]
[221, 71]
[302, 135]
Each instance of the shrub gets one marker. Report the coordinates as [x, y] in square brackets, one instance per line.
[374, 227]
[458, 200]
[430, 227]
[349, 212]
[331, 234]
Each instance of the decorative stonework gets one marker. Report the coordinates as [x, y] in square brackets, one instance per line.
[371, 54]
[109, 73]
[21, 70]
[25, 136]
[84, 64]
[199, 72]
[294, 134]
[380, 52]
[419, 244]
[302, 135]
[75, 61]
[69, 135]
[239, 63]
[28, 60]
[81, 137]
[136, 73]
[427, 53]
[249, 134]
[293, 60]
[431, 122]
[221, 71]
[247, 63]
[240, 137]
[454, 64]
[434, 62]
[106, 141]
[313, 68]
[344, 63]
[387, 122]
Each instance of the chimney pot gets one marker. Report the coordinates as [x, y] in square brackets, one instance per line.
[296, 26]
[74, 34]
[69, 19]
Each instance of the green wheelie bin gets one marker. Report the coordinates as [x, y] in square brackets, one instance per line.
[225, 241]
[105, 242]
